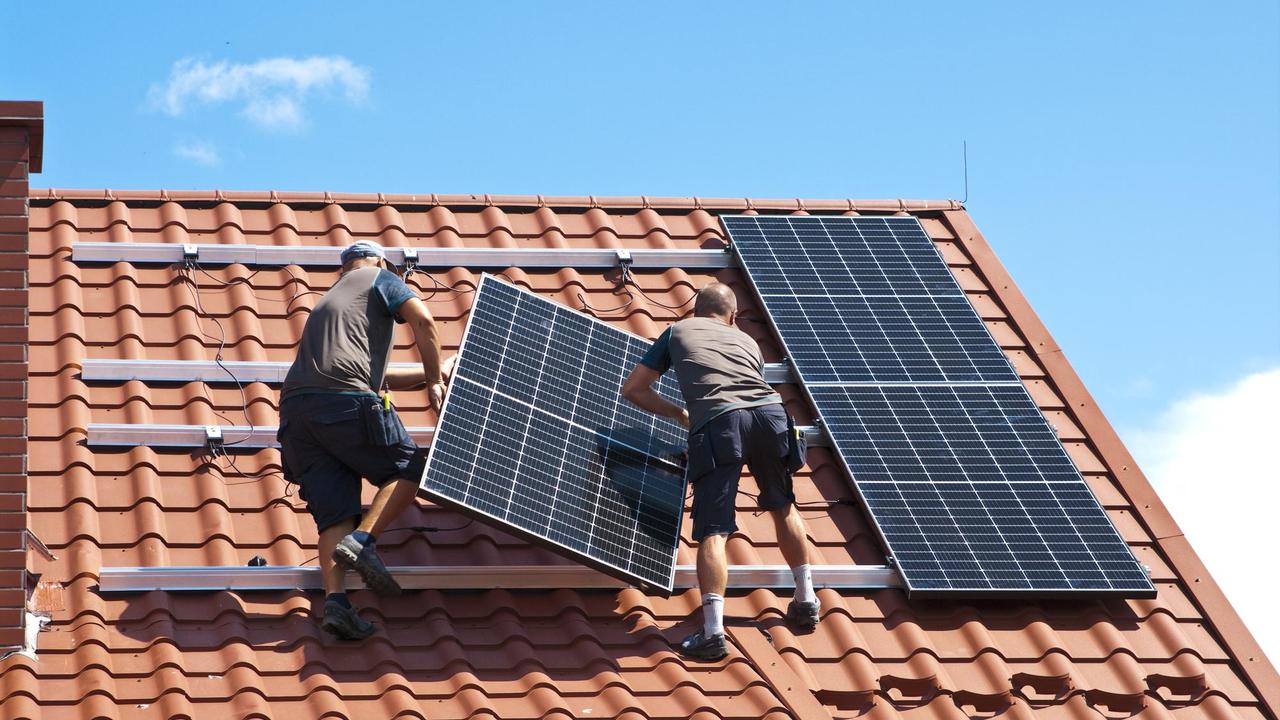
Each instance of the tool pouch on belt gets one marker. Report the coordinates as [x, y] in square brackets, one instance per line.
[796, 446]
[382, 426]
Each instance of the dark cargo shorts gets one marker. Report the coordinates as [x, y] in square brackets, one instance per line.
[329, 441]
[757, 437]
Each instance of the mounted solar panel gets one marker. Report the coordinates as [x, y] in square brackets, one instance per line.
[968, 485]
[973, 491]
[535, 438]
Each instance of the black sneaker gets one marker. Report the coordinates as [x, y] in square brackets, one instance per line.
[802, 615]
[344, 623]
[351, 555]
[700, 647]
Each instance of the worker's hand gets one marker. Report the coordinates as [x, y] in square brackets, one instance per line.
[435, 395]
[446, 367]
[683, 418]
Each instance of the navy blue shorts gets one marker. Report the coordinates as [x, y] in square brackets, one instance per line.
[329, 441]
[757, 437]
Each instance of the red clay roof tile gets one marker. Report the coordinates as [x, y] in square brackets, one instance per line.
[520, 654]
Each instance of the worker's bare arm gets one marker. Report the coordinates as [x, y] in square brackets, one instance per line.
[638, 390]
[414, 376]
[406, 378]
[425, 335]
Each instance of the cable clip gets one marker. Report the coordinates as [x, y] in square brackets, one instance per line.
[624, 258]
[190, 253]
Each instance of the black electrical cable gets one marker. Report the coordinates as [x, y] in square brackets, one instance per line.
[429, 528]
[194, 288]
[627, 281]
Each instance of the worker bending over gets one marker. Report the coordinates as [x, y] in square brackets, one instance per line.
[734, 417]
[336, 427]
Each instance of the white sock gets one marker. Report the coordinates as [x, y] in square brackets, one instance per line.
[712, 614]
[804, 584]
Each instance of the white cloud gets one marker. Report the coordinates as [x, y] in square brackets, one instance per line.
[201, 153]
[1212, 458]
[271, 92]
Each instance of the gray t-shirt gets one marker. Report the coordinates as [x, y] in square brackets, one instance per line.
[347, 340]
[719, 367]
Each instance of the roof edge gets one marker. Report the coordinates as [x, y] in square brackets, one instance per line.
[1148, 506]
[637, 202]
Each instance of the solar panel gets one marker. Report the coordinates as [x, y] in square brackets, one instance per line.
[967, 483]
[973, 491]
[535, 438]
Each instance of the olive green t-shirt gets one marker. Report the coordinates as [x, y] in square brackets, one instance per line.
[719, 368]
[347, 339]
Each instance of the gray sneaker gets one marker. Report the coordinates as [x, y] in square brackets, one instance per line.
[344, 623]
[802, 615]
[700, 647]
[351, 555]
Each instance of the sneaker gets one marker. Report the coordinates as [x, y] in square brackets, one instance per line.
[344, 623]
[700, 647]
[802, 615]
[351, 555]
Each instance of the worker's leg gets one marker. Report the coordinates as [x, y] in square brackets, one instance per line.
[390, 460]
[334, 576]
[770, 444]
[392, 499]
[713, 521]
[791, 536]
[331, 490]
[713, 571]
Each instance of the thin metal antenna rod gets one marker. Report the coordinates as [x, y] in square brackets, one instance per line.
[965, 201]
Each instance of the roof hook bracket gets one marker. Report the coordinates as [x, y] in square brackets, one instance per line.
[213, 438]
[410, 259]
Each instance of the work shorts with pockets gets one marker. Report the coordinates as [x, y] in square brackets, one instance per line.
[757, 437]
[329, 441]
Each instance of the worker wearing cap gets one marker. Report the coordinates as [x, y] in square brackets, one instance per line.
[734, 418]
[336, 425]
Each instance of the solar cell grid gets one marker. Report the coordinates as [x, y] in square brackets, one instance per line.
[848, 339]
[942, 434]
[535, 437]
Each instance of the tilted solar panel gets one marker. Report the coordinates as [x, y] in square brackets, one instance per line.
[536, 439]
[965, 480]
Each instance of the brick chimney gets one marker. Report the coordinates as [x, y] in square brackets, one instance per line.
[21, 151]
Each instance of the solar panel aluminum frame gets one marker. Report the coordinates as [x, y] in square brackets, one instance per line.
[528, 535]
[911, 590]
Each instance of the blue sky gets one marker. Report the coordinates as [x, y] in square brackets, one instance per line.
[1124, 158]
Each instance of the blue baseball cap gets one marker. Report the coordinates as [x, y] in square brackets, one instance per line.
[363, 249]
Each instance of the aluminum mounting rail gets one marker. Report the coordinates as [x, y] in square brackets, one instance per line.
[253, 371]
[476, 577]
[257, 437]
[432, 257]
